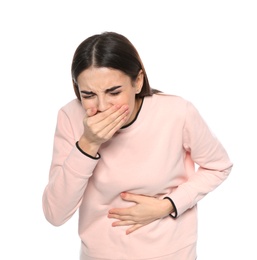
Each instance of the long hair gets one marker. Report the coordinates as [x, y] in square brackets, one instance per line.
[110, 50]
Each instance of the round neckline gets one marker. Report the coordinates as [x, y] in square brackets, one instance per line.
[143, 110]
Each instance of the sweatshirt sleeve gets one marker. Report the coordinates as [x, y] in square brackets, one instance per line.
[205, 151]
[69, 173]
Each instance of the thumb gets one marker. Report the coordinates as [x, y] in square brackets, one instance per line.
[130, 197]
[91, 111]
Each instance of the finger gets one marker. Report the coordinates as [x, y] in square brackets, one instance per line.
[108, 119]
[100, 116]
[120, 213]
[133, 228]
[123, 223]
[131, 197]
[114, 126]
[110, 126]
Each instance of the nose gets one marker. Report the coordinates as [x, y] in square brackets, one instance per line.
[103, 104]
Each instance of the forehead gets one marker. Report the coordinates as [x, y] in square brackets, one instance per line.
[102, 78]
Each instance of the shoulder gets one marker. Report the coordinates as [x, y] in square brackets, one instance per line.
[177, 106]
[73, 109]
[169, 98]
[170, 101]
[163, 107]
[71, 116]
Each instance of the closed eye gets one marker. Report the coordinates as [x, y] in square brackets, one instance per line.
[115, 93]
[88, 96]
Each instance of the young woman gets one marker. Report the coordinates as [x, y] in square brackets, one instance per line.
[124, 156]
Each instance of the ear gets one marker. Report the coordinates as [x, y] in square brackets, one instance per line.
[139, 81]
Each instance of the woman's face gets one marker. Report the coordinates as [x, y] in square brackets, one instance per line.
[101, 88]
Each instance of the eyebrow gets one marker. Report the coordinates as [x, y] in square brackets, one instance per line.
[106, 91]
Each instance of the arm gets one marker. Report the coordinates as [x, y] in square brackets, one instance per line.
[73, 162]
[69, 174]
[208, 153]
[214, 167]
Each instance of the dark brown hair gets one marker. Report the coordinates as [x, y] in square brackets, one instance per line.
[110, 50]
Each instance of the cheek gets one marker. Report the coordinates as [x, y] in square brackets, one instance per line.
[119, 100]
[132, 101]
[86, 104]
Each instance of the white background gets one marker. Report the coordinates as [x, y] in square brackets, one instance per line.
[205, 51]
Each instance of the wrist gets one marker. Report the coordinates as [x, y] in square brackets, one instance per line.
[173, 213]
[88, 147]
[167, 207]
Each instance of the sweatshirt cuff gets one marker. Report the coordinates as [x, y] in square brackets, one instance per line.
[98, 156]
[175, 213]
[80, 164]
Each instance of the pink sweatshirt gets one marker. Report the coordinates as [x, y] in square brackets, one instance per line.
[150, 157]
